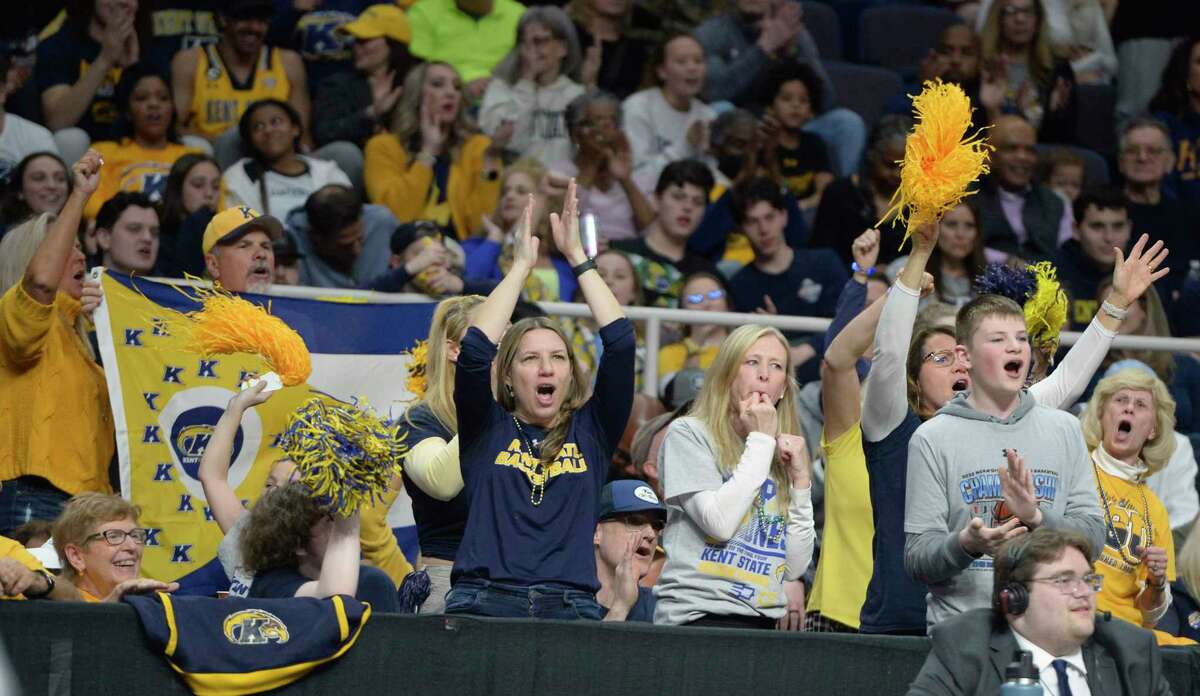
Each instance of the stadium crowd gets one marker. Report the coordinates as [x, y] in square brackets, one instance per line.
[725, 157]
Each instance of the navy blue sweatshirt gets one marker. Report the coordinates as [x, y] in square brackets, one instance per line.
[440, 524]
[508, 539]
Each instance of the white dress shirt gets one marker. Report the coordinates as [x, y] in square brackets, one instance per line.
[1076, 669]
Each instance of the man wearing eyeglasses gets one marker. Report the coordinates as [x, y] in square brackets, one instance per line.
[1145, 158]
[1043, 602]
[631, 520]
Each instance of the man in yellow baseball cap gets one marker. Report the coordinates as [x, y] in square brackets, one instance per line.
[238, 249]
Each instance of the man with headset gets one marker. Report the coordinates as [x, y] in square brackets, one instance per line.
[1043, 602]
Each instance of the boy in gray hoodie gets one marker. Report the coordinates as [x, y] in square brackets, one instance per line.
[990, 466]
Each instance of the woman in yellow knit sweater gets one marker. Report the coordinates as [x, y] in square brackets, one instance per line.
[1129, 427]
[56, 426]
[433, 165]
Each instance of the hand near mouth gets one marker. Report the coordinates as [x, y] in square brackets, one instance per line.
[1016, 482]
[757, 415]
[625, 581]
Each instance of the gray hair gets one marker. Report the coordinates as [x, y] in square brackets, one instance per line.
[1143, 122]
[560, 26]
[576, 111]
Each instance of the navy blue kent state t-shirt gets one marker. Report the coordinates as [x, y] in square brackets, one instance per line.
[440, 524]
[508, 539]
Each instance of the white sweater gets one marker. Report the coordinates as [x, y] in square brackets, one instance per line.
[658, 132]
[539, 129]
[284, 193]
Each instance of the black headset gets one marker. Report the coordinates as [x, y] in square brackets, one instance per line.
[1014, 596]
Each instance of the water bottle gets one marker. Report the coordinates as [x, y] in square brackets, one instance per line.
[1021, 677]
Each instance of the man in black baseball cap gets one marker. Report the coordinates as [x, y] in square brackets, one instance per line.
[631, 518]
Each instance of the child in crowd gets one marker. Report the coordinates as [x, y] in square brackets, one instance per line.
[668, 122]
[959, 510]
[789, 92]
[1063, 171]
[275, 179]
[661, 256]
[149, 144]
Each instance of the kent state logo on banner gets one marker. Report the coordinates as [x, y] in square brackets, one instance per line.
[188, 420]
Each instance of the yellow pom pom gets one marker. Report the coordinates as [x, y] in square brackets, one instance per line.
[1046, 309]
[417, 380]
[228, 324]
[939, 160]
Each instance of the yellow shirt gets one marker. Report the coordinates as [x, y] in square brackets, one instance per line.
[675, 357]
[409, 188]
[1130, 528]
[131, 167]
[11, 548]
[379, 545]
[55, 420]
[844, 569]
[218, 102]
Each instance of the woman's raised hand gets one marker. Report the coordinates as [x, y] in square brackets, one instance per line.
[86, 172]
[793, 451]
[525, 244]
[565, 228]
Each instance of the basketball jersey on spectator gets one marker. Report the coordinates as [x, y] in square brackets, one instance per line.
[180, 25]
[218, 101]
[131, 167]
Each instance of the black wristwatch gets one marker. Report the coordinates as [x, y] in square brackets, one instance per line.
[589, 265]
[49, 585]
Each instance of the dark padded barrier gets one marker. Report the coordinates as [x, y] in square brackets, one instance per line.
[74, 649]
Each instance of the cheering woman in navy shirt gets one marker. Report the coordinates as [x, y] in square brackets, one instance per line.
[535, 458]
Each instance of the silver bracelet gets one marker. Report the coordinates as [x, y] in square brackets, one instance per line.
[1111, 310]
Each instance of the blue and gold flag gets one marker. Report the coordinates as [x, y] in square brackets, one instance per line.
[167, 400]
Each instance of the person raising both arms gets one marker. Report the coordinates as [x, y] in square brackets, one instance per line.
[534, 460]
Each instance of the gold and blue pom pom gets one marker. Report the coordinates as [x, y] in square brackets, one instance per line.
[346, 455]
[940, 160]
[1037, 289]
[227, 324]
[417, 369]
[1046, 308]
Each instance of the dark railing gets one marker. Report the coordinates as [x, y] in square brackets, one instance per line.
[99, 650]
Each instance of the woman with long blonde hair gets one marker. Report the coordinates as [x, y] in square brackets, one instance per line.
[431, 473]
[433, 164]
[50, 447]
[1129, 427]
[736, 478]
[535, 458]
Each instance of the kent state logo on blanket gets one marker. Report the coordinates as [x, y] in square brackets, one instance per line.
[254, 627]
[166, 401]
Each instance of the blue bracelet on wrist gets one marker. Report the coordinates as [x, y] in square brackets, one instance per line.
[859, 269]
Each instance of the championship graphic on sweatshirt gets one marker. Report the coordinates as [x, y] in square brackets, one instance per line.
[984, 497]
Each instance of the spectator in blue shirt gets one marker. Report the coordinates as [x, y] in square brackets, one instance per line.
[631, 520]
[534, 459]
[782, 279]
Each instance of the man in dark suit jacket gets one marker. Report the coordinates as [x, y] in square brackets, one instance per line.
[1044, 602]
[1017, 216]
